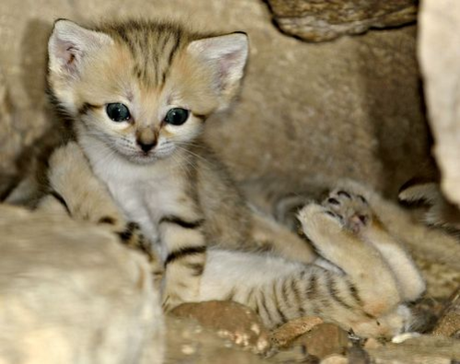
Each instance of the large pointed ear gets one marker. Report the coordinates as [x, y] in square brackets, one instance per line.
[225, 56]
[70, 44]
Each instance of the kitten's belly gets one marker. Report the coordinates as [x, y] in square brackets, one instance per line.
[144, 193]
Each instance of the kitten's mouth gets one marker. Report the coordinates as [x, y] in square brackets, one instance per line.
[144, 158]
[141, 157]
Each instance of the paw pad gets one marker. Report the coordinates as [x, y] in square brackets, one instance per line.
[351, 209]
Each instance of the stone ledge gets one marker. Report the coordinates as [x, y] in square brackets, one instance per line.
[318, 21]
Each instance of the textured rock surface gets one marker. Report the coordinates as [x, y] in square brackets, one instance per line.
[285, 335]
[73, 290]
[422, 350]
[229, 320]
[449, 322]
[350, 108]
[324, 340]
[71, 293]
[323, 20]
[189, 342]
[440, 59]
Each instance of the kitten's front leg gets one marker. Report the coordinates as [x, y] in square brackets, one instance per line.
[75, 191]
[185, 244]
[334, 229]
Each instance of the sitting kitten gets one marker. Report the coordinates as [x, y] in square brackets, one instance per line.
[369, 279]
[139, 94]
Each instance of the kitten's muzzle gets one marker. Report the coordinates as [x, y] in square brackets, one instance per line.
[147, 140]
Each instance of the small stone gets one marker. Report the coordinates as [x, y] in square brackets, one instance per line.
[372, 343]
[324, 340]
[335, 359]
[398, 339]
[230, 320]
[449, 322]
[188, 349]
[284, 336]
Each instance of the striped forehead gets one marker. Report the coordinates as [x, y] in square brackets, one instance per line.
[153, 50]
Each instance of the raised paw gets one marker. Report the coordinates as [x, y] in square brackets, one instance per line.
[319, 220]
[351, 209]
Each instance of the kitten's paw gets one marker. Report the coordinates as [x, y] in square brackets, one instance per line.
[132, 237]
[171, 301]
[318, 219]
[351, 209]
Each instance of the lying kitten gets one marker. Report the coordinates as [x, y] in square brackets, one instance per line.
[139, 94]
[370, 278]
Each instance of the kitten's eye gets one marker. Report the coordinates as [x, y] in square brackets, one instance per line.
[176, 116]
[118, 112]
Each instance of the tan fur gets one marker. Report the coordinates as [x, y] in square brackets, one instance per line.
[183, 198]
[437, 210]
[151, 68]
[366, 295]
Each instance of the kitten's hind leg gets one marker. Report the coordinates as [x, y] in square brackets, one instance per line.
[335, 236]
[410, 282]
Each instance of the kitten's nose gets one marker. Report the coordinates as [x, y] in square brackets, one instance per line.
[146, 147]
[147, 140]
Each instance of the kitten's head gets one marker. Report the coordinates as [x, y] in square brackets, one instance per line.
[144, 89]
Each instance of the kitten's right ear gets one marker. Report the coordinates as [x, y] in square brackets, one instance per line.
[70, 44]
[226, 57]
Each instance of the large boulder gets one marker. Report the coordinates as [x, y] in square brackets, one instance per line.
[321, 20]
[71, 293]
[439, 53]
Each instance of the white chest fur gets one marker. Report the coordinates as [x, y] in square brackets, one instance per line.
[145, 193]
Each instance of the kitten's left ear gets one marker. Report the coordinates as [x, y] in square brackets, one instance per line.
[226, 56]
[70, 44]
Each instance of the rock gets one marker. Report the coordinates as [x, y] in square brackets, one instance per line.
[296, 354]
[324, 340]
[357, 355]
[425, 349]
[71, 293]
[9, 140]
[335, 359]
[322, 20]
[440, 59]
[189, 342]
[229, 320]
[285, 335]
[449, 322]
[372, 343]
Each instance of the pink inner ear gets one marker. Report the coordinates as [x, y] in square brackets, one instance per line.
[228, 61]
[71, 54]
[67, 52]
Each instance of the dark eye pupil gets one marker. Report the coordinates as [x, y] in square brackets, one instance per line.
[176, 116]
[118, 112]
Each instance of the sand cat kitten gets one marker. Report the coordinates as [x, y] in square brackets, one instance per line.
[372, 276]
[139, 94]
